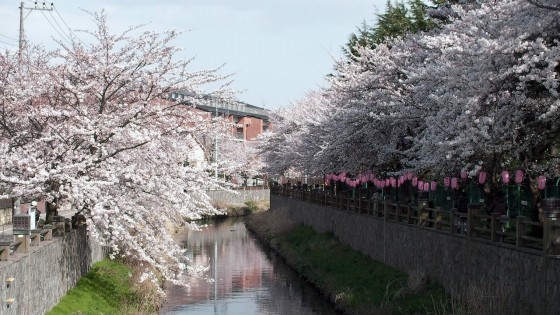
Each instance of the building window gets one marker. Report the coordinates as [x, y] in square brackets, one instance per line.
[239, 133]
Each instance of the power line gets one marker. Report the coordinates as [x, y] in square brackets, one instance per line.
[68, 27]
[62, 35]
[8, 37]
[5, 43]
[60, 28]
[60, 16]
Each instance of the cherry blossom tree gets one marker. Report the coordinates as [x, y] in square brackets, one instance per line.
[299, 140]
[91, 127]
[477, 92]
[491, 90]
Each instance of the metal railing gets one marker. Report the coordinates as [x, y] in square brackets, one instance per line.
[519, 232]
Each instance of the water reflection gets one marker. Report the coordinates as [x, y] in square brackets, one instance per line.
[248, 278]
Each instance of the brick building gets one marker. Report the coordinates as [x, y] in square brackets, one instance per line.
[251, 120]
[248, 123]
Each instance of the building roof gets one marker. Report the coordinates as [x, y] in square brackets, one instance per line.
[235, 108]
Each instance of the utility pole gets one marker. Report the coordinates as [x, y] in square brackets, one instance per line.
[22, 18]
[216, 143]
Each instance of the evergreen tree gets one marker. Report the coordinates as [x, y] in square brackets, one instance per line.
[398, 19]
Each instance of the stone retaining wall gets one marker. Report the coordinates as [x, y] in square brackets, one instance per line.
[44, 275]
[526, 281]
[239, 196]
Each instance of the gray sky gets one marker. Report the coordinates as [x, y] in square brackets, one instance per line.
[276, 50]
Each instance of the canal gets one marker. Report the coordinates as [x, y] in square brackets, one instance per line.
[249, 278]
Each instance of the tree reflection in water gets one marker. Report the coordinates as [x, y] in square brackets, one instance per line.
[249, 279]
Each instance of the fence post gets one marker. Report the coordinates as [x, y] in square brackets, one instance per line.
[437, 217]
[494, 223]
[385, 209]
[473, 220]
[23, 247]
[452, 218]
[360, 204]
[520, 231]
[408, 214]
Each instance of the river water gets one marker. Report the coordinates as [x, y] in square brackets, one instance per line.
[249, 278]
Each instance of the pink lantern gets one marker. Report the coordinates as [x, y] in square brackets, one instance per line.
[414, 181]
[420, 185]
[371, 176]
[454, 183]
[426, 186]
[464, 174]
[519, 177]
[387, 182]
[446, 182]
[409, 175]
[382, 184]
[433, 186]
[342, 177]
[542, 182]
[482, 177]
[393, 182]
[505, 177]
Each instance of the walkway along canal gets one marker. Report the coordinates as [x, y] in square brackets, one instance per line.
[249, 278]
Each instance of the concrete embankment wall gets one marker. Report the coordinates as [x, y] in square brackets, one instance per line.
[44, 275]
[525, 281]
[240, 196]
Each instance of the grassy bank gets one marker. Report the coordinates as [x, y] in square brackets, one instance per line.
[355, 283]
[109, 288]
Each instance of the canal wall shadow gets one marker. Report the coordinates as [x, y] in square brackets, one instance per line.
[526, 281]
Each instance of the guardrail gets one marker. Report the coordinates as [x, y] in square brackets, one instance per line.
[519, 231]
[20, 243]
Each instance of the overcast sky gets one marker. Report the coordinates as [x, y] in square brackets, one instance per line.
[277, 50]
